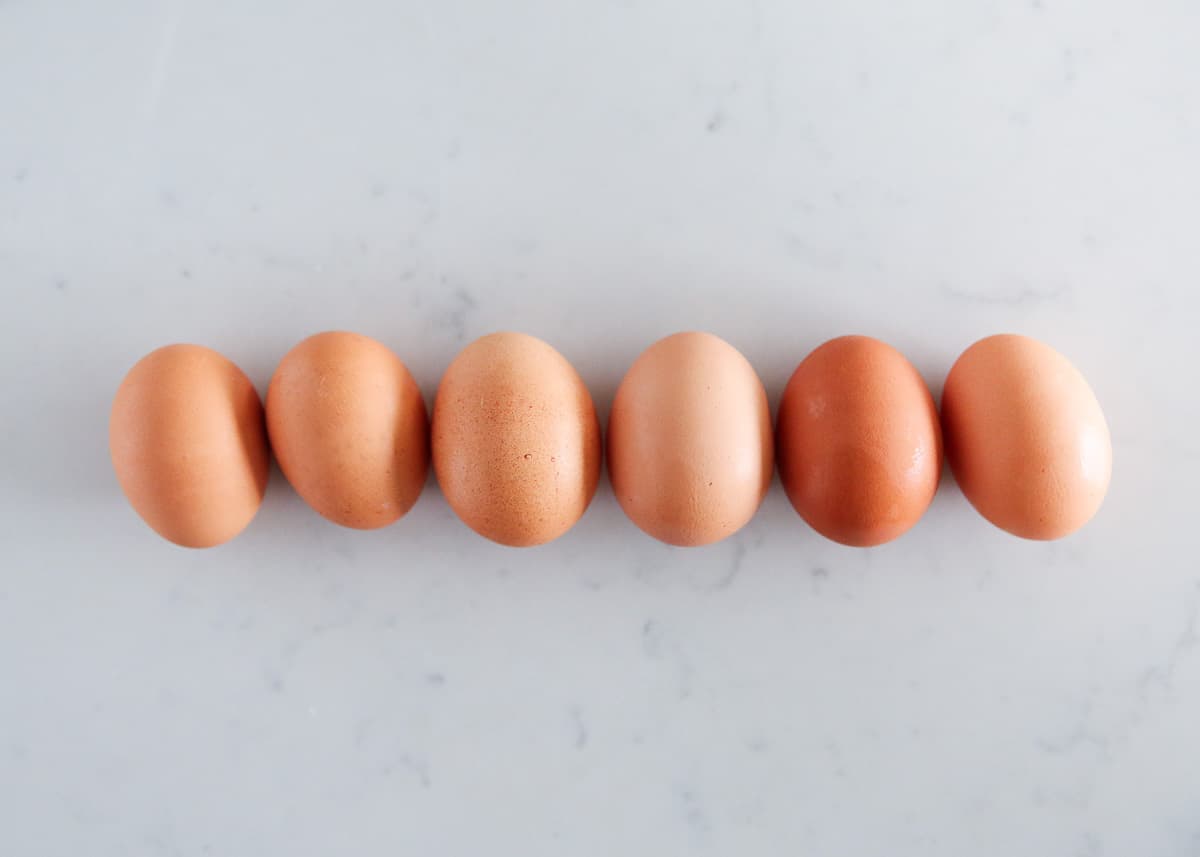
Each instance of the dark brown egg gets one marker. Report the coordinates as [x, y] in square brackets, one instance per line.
[860, 451]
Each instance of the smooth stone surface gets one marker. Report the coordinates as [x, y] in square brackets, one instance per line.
[243, 175]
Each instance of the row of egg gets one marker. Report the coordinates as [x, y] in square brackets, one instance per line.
[516, 445]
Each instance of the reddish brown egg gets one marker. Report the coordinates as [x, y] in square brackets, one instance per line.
[349, 429]
[188, 445]
[1025, 437]
[689, 440]
[860, 451]
[516, 443]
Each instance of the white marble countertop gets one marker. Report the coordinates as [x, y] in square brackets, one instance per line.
[598, 174]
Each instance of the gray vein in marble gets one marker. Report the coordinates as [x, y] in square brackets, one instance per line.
[694, 813]
[736, 561]
[656, 646]
[818, 577]
[1163, 675]
[457, 316]
[1068, 64]
[1090, 846]
[651, 639]
[1080, 735]
[758, 744]
[418, 767]
[579, 729]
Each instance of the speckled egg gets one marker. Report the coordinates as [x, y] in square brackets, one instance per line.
[516, 443]
[690, 452]
[188, 445]
[349, 429]
[860, 449]
[1025, 437]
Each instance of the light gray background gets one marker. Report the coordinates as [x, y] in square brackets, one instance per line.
[599, 174]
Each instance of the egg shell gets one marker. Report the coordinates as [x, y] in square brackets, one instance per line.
[516, 442]
[690, 451]
[349, 429]
[1025, 437]
[859, 445]
[188, 445]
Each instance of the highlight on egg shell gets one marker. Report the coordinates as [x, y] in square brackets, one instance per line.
[1025, 437]
[188, 445]
[690, 451]
[858, 440]
[516, 442]
[349, 429]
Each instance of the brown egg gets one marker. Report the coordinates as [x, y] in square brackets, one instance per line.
[349, 429]
[1025, 437]
[689, 440]
[188, 446]
[516, 443]
[860, 451]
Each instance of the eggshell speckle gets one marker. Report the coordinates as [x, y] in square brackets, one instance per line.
[349, 429]
[1025, 437]
[188, 445]
[860, 450]
[516, 443]
[690, 451]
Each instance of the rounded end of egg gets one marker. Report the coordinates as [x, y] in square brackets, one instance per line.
[349, 428]
[690, 446]
[516, 440]
[188, 445]
[859, 444]
[1026, 437]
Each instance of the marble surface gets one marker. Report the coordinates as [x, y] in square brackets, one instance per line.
[598, 174]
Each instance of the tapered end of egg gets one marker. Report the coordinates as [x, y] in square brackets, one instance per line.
[690, 449]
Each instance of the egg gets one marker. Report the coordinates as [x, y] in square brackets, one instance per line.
[349, 429]
[690, 452]
[1025, 437]
[860, 449]
[188, 445]
[516, 442]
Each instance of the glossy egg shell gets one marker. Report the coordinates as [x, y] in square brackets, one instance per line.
[1025, 437]
[859, 445]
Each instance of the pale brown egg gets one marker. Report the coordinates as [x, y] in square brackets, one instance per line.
[349, 429]
[1025, 437]
[690, 452]
[188, 445]
[860, 449]
[516, 443]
